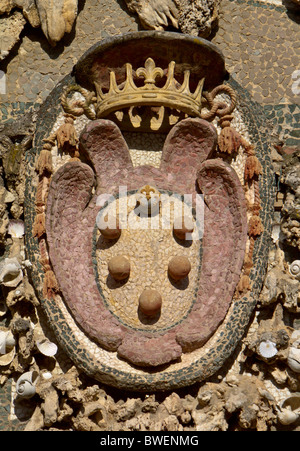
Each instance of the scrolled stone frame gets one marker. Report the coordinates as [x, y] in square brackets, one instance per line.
[211, 357]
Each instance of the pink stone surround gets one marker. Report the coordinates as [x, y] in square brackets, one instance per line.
[185, 168]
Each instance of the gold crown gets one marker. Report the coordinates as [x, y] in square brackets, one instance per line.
[172, 94]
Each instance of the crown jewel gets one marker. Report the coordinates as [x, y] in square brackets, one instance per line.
[128, 94]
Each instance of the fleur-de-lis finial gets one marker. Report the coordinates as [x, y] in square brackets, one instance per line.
[150, 72]
[147, 190]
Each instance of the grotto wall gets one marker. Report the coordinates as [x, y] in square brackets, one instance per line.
[258, 387]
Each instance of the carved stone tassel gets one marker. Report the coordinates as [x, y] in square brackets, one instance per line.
[66, 135]
[38, 229]
[229, 139]
[244, 284]
[255, 227]
[252, 167]
[44, 162]
[50, 287]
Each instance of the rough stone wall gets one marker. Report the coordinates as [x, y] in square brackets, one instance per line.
[259, 40]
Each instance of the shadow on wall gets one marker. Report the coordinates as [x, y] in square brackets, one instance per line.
[293, 9]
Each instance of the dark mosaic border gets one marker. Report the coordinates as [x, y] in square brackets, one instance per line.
[14, 110]
[286, 121]
[239, 315]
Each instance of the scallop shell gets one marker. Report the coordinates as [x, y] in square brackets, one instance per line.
[295, 269]
[16, 228]
[46, 347]
[267, 349]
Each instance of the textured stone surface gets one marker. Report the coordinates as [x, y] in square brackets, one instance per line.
[57, 17]
[260, 54]
[10, 30]
[155, 14]
[207, 411]
[198, 17]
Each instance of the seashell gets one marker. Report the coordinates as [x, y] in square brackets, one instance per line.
[294, 359]
[25, 387]
[288, 411]
[10, 272]
[267, 349]
[46, 375]
[295, 269]
[16, 228]
[276, 230]
[294, 352]
[7, 341]
[2, 342]
[46, 347]
[7, 358]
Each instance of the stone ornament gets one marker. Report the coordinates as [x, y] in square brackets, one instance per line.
[150, 302]
[58, 18]
[119, 267]
[150, 94]
[179, 268]
[54, 17]
[128, 315]
[196, 17]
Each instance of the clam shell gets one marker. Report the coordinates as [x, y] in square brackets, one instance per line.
[46, 347]
[289, 409]
[294, 359]
[16, 228]
[3, 342]
[10, 272]
[267, 349]
[7, 342]
[6, 359]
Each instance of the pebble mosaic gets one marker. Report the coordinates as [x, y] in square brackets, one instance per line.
[260, 42]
